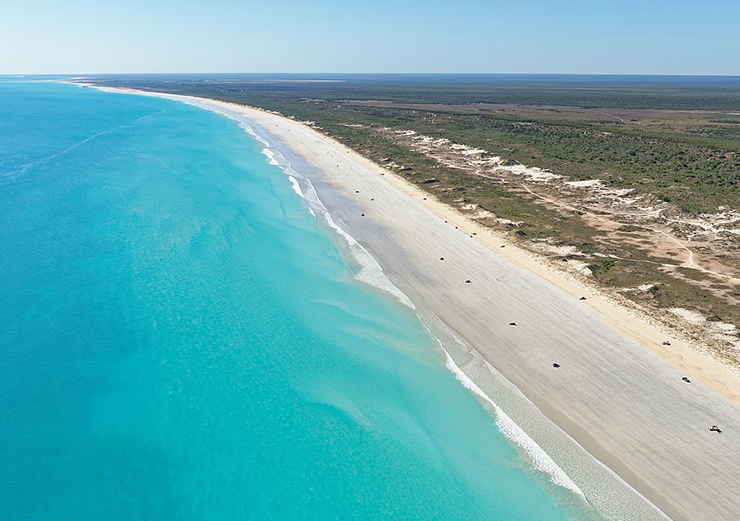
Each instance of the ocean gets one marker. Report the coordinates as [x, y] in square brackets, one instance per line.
[183, 338]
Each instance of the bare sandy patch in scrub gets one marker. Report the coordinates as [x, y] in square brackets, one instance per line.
[721, 331]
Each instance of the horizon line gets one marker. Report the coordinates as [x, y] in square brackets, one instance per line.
[715, 75]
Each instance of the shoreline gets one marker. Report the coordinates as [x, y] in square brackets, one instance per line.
[565, 411]
[682, 353]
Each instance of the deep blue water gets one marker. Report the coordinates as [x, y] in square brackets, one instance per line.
[181, 340]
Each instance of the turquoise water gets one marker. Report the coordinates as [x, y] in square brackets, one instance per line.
[182, 340]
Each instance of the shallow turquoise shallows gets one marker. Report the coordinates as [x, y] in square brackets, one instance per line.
[180, 339]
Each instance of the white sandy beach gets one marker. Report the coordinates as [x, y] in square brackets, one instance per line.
[618, 392]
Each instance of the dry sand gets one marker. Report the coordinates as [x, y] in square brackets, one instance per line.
[618, 392]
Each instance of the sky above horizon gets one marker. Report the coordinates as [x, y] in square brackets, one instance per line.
[526, 36]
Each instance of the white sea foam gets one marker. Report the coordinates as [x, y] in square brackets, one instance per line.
[270, 156]
[370, 271]
[296, 187]
[541, 460]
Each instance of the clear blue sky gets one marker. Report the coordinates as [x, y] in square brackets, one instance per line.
[546, 36]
